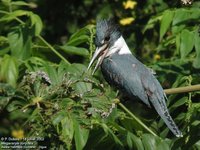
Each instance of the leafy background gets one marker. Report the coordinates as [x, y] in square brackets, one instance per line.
[46, 92]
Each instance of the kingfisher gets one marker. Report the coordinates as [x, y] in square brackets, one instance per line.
[121, 69]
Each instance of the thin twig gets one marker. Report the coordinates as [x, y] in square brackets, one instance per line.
[186, 89]
[51, 47]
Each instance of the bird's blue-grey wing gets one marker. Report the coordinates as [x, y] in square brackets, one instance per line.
[123, 76]
[126, 72]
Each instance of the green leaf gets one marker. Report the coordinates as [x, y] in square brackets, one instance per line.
[52, 73]
[58, 117]
[165, 22]
[152, 22]
[20, 43]
[109, 132]
[83, 31]
[163, 145]
[187, 42]
[81, 36]
[68, 130]
[13, 15]
[180, 102]
[82, 87]
[196, 62]
[149, 142]
[74, 50]
[80, 136]
[178, 42]
[9, 70]
[76, 69]
[78, 40]
[33, 63]
[36, 23]
[4, 46]
[19, 3]
[6, 2]
[133, 140]
[182, 16]
[14, 105]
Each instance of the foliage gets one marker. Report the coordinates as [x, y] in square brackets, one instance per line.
[46, 92]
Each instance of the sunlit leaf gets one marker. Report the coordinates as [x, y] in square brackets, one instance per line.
[187, 43]
[165, 22]
[19, 3]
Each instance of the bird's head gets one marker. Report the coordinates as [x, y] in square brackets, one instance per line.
[107, 33]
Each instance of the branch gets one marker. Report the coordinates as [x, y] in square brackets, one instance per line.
[186, 89]
[167, 91]
[54, 50]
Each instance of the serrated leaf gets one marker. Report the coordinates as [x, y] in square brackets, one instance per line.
[75, 50]
[187, 42]
[165, 22]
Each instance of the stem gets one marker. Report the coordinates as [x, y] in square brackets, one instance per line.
[136, 119]
[183, 89]
[53, 49]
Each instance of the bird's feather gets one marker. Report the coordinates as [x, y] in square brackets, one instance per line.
[130, 75]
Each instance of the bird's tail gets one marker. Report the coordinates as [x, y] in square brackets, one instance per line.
[161, 108]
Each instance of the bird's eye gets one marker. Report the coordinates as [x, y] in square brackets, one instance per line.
[107, 38]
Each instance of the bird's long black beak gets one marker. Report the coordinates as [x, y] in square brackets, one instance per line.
[100, 53]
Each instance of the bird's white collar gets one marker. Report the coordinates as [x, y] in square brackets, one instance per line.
[119, 47]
